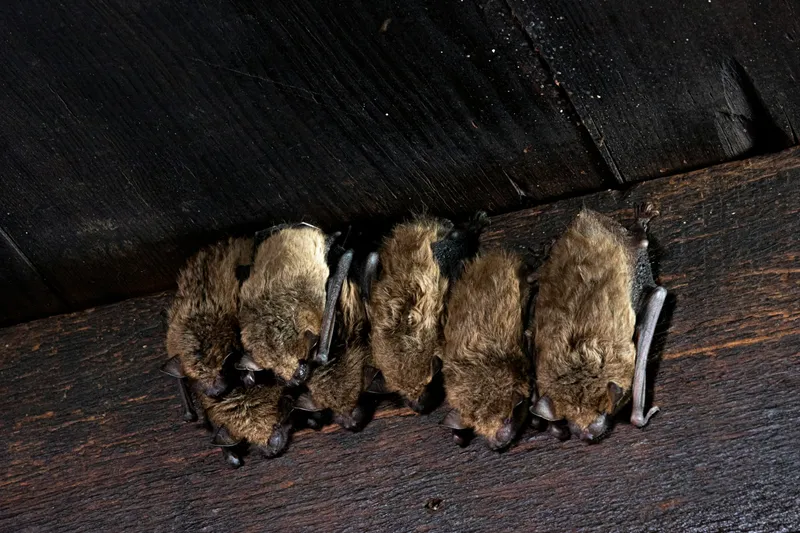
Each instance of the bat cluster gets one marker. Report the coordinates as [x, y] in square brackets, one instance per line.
[296, 328]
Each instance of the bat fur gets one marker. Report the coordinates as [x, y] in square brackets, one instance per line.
[486, 367]
[203, 325]
[594, 282]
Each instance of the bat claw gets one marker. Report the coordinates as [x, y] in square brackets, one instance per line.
[231, 458]
[640, 420]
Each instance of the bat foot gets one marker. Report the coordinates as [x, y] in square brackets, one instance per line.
[462, 438]
[231, 458]
[645, 213]
[350, 422]
[640, 420]
[537, 423]
[189, 416]
[559, 431]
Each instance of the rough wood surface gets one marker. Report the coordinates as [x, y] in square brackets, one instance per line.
[133, 132]
[93, 440]
[25, 293]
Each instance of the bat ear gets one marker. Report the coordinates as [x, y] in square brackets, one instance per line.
[247, 363]
[436, 366]
[223, 439]
[543, 408]
[453, 420]
[304, 402]
[615, 394]
[373, 380]
[173, 367]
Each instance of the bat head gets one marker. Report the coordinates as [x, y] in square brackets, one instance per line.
[281, 333]
[592, 382]
[204, 345]
[492, 402]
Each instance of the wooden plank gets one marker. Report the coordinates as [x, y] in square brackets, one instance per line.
[25, 294]
[134, 132]
[93, 439]
[663, 87]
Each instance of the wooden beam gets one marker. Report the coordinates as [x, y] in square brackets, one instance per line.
[135, 132]
[662, 89]
[93, 440]
[26, 294]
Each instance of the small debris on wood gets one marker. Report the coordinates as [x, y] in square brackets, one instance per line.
[433, 504]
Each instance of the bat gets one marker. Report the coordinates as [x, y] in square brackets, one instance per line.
[339, 388]
[485, 362]
[203, 328]
[595, 316]
[257, 417]
[287, 303]
[406, 286]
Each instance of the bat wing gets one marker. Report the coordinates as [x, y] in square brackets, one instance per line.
[335, 285]
[646, 327]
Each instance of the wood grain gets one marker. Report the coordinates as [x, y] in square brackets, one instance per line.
[25, 292]
[134, 132]
[93, 439]
[663, 88]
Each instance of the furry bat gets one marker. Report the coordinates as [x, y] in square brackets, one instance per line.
[407, 284]
[592, 287]
[203, 326]
[287, 304]
[339, 387]
[258, 416]
[486, 367]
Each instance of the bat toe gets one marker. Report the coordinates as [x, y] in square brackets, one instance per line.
[640, 420]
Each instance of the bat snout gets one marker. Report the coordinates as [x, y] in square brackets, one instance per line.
[300, 375]
[594, 432]
[461, 437]
[277, 441]
[503, 436]
[216, 388]
[418, 406]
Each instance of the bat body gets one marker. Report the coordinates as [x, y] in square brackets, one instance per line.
[340, 386]
[485, 364]
[407, 299]
[203, 327]
[592, 287]
[284, 309]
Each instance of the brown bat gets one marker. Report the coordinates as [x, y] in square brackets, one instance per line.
[486, 367]
[287, 304]
[339, 387]
[203, 327]
[417, 261]
[592, 287]
[258, 416]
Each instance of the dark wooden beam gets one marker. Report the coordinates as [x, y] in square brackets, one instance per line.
[93, 439]
[664, 87]
[25, 293]
[131, 133]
